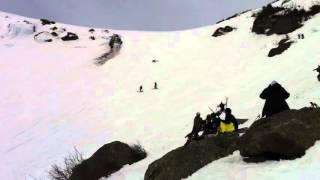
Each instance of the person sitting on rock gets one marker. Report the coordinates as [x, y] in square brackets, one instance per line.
[197, 127]
[209, 127]
[275, 96]
[230, 123]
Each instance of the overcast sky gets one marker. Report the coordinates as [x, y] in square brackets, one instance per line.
[159, 15]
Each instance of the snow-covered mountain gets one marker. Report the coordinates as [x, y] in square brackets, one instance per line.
[155, 15]
[55, 97]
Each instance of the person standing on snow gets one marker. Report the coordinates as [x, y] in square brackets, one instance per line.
[275, 96]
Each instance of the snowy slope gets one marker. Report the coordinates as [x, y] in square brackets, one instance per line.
[54, 97]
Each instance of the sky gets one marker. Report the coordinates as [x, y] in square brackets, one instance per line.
[148, 15]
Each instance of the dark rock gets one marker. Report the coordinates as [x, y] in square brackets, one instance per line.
[105, 161]
[283, 45]
[46, 22]
[70, 37]
[184, 161]
[91, 30]
[286, 135]
[27, 22]
[222, 31]
[54, 34]
[278, 20]
[54, 28]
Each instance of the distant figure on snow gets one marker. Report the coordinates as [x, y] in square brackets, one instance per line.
[275, 96]
[155, 85]
[154, 61]
[140, 89]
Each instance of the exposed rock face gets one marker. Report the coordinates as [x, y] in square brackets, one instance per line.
[184, 161]
[283, 45]
[278, 20]
[108, 159]
[222, 31]
[286, 135]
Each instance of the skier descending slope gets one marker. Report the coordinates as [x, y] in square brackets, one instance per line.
[275, 96]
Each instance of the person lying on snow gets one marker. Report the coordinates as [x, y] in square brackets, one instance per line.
[275, 96]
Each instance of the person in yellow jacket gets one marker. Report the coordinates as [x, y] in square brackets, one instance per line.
[230, 123]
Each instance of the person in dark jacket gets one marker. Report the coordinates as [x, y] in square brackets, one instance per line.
[275, 96]
[197, 125]
[231, 119]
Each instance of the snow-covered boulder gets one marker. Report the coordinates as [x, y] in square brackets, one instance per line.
[286, 135]
[44, 37]
[107, 160]
[184, 161]
[12, 29]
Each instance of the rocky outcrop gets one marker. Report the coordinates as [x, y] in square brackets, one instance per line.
[46, 22]
[222, 31]
[278, 20]
[184, 161]
[283, 45]
[107, 160]
[286, 135]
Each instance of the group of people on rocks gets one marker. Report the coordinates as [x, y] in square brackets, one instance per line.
[223, 121]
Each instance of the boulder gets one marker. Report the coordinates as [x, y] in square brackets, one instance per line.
[184, 161]
[283, 45]
[70, 37]
[43, 37]
[286, 135]
[46, 22]
[222, 31]
[107, 160]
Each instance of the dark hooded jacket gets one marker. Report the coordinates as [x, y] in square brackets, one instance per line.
[231, 119]
[275, 96]
[197, 124]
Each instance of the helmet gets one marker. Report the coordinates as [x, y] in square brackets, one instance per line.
[228, 111]
[198, 114]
